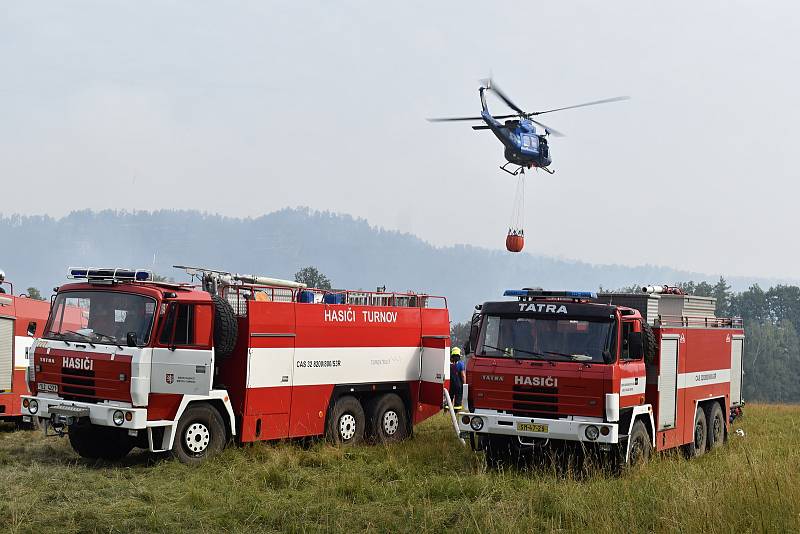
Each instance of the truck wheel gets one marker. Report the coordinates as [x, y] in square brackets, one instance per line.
[345, 424]
[697, 447]
[99, 442]
[200, 434]
[650, 344]
[716, 425]
[33, 424]
[387, 419]
[226, 329]
[499, 452]
[641, 448]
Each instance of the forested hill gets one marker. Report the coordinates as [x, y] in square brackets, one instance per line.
[353, 254]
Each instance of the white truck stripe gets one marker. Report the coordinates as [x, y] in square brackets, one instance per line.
[334, 365]
[632, 386]
[703, 378]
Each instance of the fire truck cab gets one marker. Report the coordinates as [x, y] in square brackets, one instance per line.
[126, 362]
[622, 373]
[21, 319]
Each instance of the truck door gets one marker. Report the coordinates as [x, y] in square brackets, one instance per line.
[182, 359]
[668, 381]
[433, 366]
[737, 344]
[6, 353]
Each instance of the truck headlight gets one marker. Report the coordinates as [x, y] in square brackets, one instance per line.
[476, 424]
[592, 432]
[119, 418]
[33, 406]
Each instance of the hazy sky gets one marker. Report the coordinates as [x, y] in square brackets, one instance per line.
[243, 108]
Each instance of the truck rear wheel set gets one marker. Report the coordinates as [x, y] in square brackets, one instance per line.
[709, 430]
[697, 447]
[716, 425]
[383, 419]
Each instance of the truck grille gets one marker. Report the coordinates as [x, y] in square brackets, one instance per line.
[78, 384]
[531, 401]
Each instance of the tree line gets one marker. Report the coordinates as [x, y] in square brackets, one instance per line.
[771, 318]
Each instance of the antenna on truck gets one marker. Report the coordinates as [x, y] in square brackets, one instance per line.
[212, 278]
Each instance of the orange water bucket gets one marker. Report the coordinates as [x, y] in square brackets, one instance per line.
[514, 242]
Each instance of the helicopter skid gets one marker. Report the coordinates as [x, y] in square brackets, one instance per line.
[519, 169]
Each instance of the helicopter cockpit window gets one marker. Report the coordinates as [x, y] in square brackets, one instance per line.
[529, 141]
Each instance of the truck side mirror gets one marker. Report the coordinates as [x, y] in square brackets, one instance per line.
[131, 338]
[31, 328]
[635, 346]
[475, 324]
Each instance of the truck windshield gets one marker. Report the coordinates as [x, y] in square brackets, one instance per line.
[546, 339]
[101, 317]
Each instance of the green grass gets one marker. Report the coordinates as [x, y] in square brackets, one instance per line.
[430, 483]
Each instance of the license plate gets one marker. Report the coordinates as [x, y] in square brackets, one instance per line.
[50, 388]
[532, 427]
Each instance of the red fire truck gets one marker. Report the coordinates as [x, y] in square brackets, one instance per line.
[625, 374]
[21, 319]
[184, 368]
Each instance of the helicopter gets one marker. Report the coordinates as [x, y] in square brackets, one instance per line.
[525, 147]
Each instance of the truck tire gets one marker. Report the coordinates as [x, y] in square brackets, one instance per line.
[387, 419]
[33, 424]
[650, 345]
[641, 448]
[505, 452]
[226, 329]
[200, 434]
[715, 421]
[100, 442]
[346, 422]
[697, 446]
[497, 452]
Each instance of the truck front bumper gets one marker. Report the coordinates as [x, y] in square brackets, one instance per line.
[61, 412]
[526, 427]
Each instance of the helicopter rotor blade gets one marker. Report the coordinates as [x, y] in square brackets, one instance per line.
[504, 97]
[454, 119]
[484, 127]
[548, 129]
[594, 103]
[458, 119]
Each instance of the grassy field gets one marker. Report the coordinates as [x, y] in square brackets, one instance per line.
[429, 483]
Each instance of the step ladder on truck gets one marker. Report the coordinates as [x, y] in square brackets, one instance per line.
[126, 362]
[623, 374]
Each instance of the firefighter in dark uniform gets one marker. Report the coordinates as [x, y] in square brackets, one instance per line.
[458, 376]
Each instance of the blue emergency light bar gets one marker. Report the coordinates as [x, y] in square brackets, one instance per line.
[119, 275]
[554, 294]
